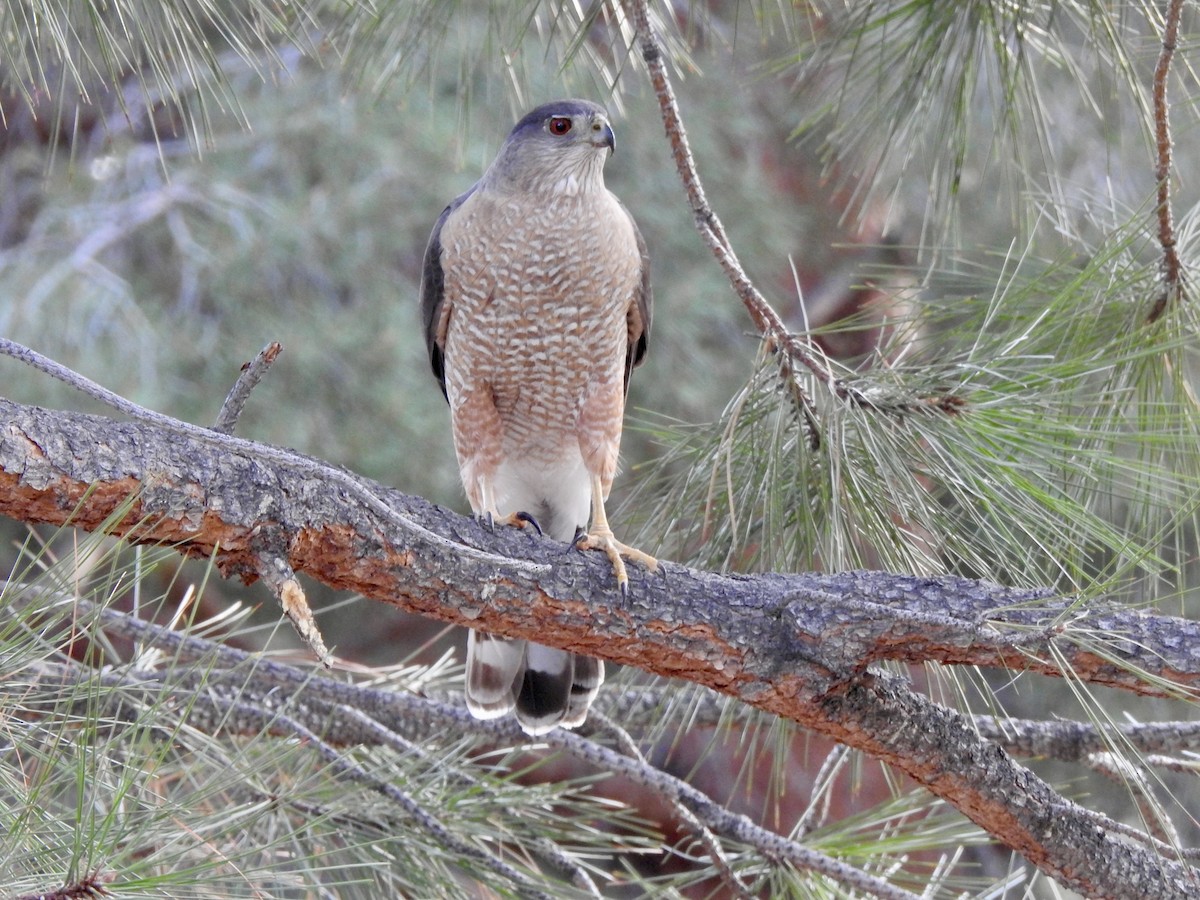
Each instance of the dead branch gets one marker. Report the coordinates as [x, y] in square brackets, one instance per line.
[252, 373]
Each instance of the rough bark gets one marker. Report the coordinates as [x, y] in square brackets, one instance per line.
[796, 645]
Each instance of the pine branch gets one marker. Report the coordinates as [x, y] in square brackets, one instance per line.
[216, 495]
[797, 646]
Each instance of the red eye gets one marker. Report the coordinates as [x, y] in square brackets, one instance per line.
[559, 125]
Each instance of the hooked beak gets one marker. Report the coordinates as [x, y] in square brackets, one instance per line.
[602, 135]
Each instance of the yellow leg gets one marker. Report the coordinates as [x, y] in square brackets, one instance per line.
[601, 538]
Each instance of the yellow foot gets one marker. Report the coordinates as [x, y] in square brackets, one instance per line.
[516, 520]
[603, 539]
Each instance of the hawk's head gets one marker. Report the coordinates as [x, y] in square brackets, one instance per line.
[560, 147]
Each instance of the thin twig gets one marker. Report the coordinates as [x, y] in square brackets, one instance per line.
[251, 374]
[1172, 271]
[789, 348]
[766, 320]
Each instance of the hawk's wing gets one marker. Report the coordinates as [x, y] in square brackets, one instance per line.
[433, 292]
[642, 309]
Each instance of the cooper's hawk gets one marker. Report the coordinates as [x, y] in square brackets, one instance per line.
[536, 303]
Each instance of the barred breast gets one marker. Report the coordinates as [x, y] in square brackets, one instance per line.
[540, 293]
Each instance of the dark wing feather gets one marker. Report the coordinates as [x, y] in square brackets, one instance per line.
[641, 311]
[433, 290]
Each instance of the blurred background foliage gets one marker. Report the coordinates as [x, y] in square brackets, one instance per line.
[956, 198]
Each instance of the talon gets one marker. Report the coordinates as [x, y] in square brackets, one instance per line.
[517, 520]
[616, 553]
[580, 538]
[522, 518]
